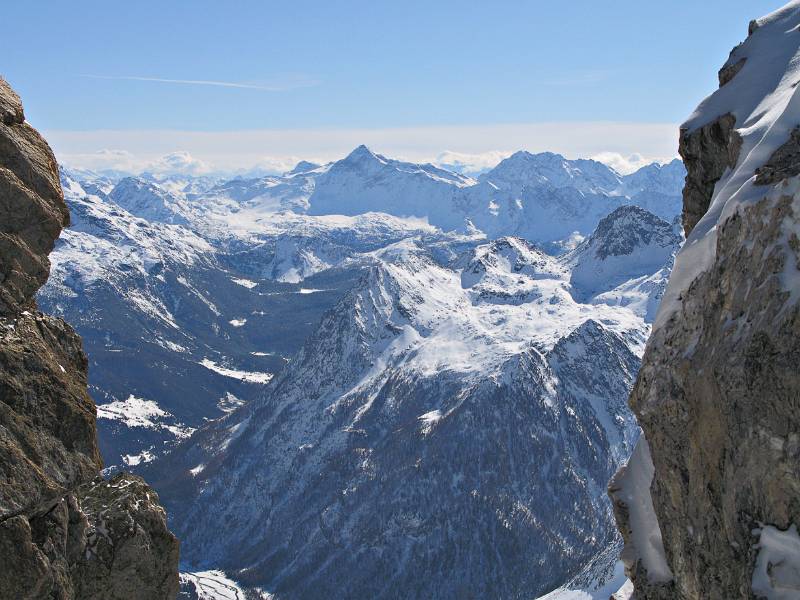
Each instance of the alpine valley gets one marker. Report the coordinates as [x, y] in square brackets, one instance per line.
[372, 378]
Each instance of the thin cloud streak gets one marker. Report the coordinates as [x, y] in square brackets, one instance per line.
[226, 84]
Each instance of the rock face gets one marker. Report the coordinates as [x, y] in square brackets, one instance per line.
[719, 389]
[31, 203]
[64, 532]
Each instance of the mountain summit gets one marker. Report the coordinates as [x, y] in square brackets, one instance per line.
[367, 458]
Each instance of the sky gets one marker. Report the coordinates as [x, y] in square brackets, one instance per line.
[204, 86]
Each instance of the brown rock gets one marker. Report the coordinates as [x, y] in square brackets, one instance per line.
[65, 533]
[32, 208]
[718, 392]
[718, 397]
[729, 71]
[130, 554]
[784, 162]
[707, 153]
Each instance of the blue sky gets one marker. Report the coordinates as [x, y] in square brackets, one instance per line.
[306, 74]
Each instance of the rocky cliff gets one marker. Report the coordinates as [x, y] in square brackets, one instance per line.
[64, 531]
[709, 503]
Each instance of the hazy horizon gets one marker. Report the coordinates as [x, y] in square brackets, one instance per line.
[262, 86]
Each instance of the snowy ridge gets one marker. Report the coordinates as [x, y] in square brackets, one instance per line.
[523, 169]
[541, 197]
[391, 389]
[209, 585]
[763, 97]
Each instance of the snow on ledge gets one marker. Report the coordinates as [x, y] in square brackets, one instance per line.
[247, 376]
[632, 487]
[212, 585]
[765, 101]
[245, 283]
[776, 575]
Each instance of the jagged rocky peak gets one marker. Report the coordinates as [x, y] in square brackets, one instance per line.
[64, 532]
[629, 228]
[629, 243]
[709, 504]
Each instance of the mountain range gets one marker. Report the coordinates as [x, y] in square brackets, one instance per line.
[357, 364]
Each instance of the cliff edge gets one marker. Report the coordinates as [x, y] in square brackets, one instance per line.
[65, 532]
[710, 501]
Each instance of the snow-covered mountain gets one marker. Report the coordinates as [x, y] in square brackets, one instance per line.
[368, 182]
[156, 311]
[626, 261]
[525, 170]
[368, 336]
[462, 417]
[656, 179]
[544, 197]
[541, 197]
[150, 201]
[213, 303]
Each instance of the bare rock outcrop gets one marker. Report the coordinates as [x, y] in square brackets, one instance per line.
[64, 531]
[707, 152]
[718, 393]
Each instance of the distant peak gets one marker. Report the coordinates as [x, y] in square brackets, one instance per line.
[625, 216]
[630, 227]
[360, 153]
[132, 181]
[303, 167]
[361, 158]
[524, 155]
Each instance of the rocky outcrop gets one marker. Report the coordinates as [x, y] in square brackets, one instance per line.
[718, 393]
[784, 162]
[31, 204]
[707, 152]
[64, 531]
